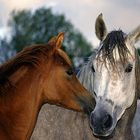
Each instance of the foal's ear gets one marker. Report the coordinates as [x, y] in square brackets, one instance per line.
[56, 41]
[59, 40]
[134, 36]
[100, 28]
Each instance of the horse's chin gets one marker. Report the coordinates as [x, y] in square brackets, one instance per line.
[104, 135]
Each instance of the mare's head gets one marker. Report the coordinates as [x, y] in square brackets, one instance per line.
[115, 66]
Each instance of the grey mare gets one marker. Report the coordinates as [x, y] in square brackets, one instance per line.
[111, 75]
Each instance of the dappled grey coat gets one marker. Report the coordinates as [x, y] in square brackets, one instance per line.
[55, 123]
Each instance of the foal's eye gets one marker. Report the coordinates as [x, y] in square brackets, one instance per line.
[129, 68]
[93, 70]
[70, 72]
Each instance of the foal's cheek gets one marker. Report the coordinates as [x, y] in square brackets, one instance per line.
[69, 78]
[73, 81]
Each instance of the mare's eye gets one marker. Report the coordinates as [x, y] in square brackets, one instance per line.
[70, 72]
[93, 70]
[129, 68]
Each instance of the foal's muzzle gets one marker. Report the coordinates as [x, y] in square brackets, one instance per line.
[101, 123]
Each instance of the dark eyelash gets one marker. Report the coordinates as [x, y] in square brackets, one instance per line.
[70, 72]
[129, 68]
[93, 70]
[95, 93]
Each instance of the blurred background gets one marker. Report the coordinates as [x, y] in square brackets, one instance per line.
[27, 22]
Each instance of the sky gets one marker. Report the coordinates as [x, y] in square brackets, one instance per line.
[117, 14]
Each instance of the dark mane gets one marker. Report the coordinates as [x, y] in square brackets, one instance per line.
[27, 57]
[115, 39]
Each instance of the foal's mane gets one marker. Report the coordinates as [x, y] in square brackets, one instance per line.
[114, 39]
[28, 57]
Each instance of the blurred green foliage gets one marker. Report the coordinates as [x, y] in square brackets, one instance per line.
[138, 51]
[39, 26]
[6, 50]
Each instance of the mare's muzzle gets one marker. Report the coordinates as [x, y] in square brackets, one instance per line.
[101, 122]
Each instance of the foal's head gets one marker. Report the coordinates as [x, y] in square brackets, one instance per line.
[114, 77]
[47, 71]
[61, 84]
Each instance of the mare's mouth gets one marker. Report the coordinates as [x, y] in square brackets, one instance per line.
[104, 135]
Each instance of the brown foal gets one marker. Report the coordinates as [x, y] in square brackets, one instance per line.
[39, 74]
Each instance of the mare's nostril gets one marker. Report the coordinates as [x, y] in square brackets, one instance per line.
[101, 122]
[107, 122]
[94, 121]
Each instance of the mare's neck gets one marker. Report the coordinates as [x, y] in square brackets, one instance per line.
[20, 107]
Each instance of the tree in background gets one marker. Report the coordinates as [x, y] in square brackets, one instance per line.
[39, 26]
[138, 51]
[6, 50]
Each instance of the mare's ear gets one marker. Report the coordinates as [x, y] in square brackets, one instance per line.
[100, 28]
[56, 41]
[134, 36]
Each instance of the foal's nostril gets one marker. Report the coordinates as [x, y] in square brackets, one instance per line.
[107, 122]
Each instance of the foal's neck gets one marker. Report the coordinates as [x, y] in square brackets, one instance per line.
[20, 107]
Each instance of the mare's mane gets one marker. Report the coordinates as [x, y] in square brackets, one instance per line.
[114, 39]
